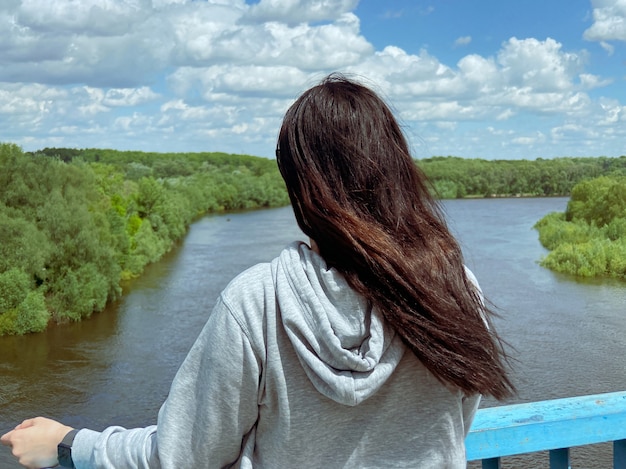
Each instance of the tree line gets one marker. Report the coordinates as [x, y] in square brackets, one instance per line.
[75, 223]
[454, 177]
[589, 238]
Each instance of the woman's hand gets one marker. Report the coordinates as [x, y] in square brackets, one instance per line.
[34, 442]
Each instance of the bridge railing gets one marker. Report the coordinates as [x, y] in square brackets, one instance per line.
[554, 426]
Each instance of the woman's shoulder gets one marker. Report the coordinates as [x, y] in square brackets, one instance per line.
[250, 287]
[251, 295]
[260, 277]
[253, 276]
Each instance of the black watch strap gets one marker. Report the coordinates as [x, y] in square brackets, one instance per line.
[64, 450]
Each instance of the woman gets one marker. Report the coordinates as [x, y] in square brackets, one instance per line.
[369, 348]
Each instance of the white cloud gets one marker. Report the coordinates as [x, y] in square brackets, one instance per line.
[204, 32]
[132, 124]
[609, 21]
[463, 41]
[482, 74]
[176, 104]
[443, 111]
[571, 132]
[498, 132]
[526, 75]
[539, 137]
[403, 76]
[610, 49]
[612, 112]
[299, 11]
[92, 17]
[27, 107]
[159, 4]
[128, 96]
[447, 125]
[125, 43]
[505, 115]
[232, 82]
[76, 54]
[589, 81]
[541, 65]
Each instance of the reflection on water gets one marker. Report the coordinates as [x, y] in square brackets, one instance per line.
[116, 367]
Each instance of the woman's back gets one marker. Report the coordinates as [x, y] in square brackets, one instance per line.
[338, 386]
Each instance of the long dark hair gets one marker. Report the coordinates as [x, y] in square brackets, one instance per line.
[359, 195]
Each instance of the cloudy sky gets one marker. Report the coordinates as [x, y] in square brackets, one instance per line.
[504, 79]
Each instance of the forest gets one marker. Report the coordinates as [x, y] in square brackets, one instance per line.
[76, 223]
[454, 177]
[589, 238]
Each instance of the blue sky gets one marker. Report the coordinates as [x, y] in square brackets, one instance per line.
[485, 79]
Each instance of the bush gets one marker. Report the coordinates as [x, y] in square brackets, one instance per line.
[32, 314]
[584, 260]
[616, 257]
[14, 288]
[554, 231]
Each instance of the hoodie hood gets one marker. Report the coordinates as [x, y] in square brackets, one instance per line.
[343, 344]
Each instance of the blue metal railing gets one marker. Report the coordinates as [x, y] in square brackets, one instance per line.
[554, 426]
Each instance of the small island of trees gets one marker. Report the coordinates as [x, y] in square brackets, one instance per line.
[589, 239]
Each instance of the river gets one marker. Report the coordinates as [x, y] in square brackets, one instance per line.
[567, 335]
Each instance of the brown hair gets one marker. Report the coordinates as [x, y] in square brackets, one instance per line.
[359, 195]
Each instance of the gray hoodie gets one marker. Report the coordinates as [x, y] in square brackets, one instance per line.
[294, 369]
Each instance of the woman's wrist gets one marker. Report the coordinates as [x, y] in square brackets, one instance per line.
[64, 449]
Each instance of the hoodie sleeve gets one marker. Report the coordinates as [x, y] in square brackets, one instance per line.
[211, 407]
